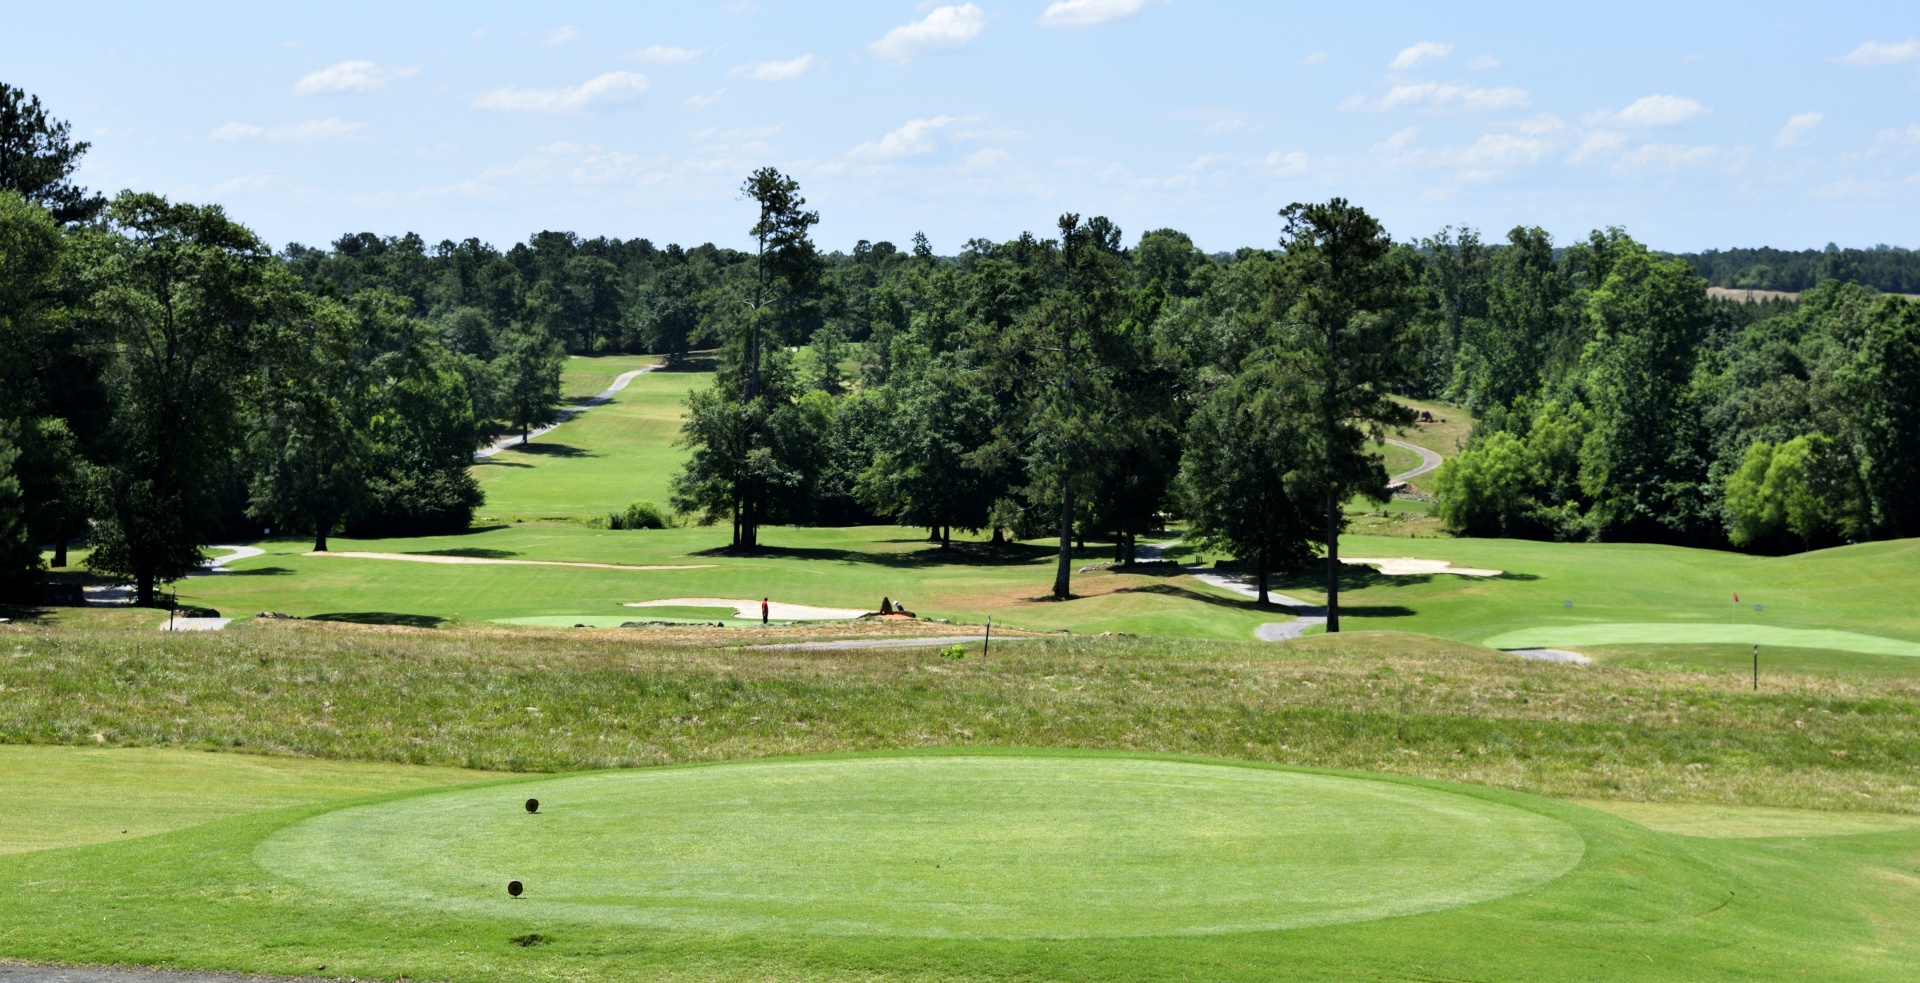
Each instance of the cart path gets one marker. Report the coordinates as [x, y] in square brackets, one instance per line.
[604, 397]
[1306, 613]
[1428, 460]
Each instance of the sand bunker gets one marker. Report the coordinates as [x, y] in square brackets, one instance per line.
[1404, 566]
[751, 609]
[435, 558]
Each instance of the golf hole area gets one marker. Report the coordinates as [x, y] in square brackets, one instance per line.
[986, 846]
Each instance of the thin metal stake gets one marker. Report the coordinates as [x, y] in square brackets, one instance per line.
[1756, 668]
[988, 644]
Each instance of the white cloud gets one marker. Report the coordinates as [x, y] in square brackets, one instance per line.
[1317, 58]
[982, 160]
[1499, 151]
[1483, 63]
[560, 35]
[1542, 124]
[1224, 127]
[1656, 111]
[1665, 156]
[1596, 142]
[311, 131]
[702, 102]
[1909, 136]
[1415, 54]
[1877, 53]
[1285, 165]
[1794, 134]
[610, 87]
[943, 27]
[661, 54]
[916, 137]
[775, 71]
[1083, 13]
[350, 76]
[1442, 97]
[1398, 141]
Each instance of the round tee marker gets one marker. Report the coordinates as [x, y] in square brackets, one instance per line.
[533, 805]
[514, 888]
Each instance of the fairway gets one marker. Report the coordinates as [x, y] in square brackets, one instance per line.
[1703, 634]
[1005, 846]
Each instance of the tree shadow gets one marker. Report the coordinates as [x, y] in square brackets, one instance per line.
[19, 613]
[691, 363]
[1189, 594]
[472, 551]
[1510, 575]
[380, 618]
[546, 449]
[1353, 576]
[258, 572]
[959, 554]
[495, 462]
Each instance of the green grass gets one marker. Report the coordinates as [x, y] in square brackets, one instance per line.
[973, 846]
[844, 567]
[1769, 636]
[601, 461]
[1733, 880]
[1637, 905]
[65, 796]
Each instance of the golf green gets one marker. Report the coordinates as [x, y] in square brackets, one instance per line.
[1000, 846]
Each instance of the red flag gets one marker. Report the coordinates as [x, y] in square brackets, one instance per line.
[1736, 598]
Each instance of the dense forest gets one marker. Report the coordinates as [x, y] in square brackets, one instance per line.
[1887, 269]
[167, 380]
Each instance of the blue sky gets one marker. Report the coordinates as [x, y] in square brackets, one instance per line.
[1691, 125]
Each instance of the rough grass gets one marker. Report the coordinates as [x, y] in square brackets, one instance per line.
[533, 700]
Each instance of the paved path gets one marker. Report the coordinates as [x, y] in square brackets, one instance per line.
[1428, 460]
[1306, 614]
[604, 397]
[123, 593]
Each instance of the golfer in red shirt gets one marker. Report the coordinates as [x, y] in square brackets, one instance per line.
[763, 612]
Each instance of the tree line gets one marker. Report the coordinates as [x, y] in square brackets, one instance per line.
[166, 380]
[1618, 402]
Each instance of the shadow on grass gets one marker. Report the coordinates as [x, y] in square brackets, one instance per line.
[495, 462]
[544, 449]
[1352, 577]
[476, 552]
[381, 618]
[15, 612]
[959, 554]
[698, 362]
[1189, 594]
[258, 572]
[1510, 575]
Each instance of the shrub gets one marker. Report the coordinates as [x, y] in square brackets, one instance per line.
[639, 515]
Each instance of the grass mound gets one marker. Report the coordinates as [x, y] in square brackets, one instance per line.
[1007, 846]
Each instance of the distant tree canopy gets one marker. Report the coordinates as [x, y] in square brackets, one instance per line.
[37, 159]
[1888, 269]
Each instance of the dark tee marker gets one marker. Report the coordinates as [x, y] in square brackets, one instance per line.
[533, 805]
[514, 888]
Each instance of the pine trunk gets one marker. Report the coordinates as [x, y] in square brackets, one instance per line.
[1333, 563]
[1063, 576]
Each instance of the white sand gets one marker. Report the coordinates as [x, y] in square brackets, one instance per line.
[432, 558]
[1406, 566]
[746, 608]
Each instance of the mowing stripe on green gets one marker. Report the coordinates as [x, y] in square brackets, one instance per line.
[1003, 846]
[1653, 633]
